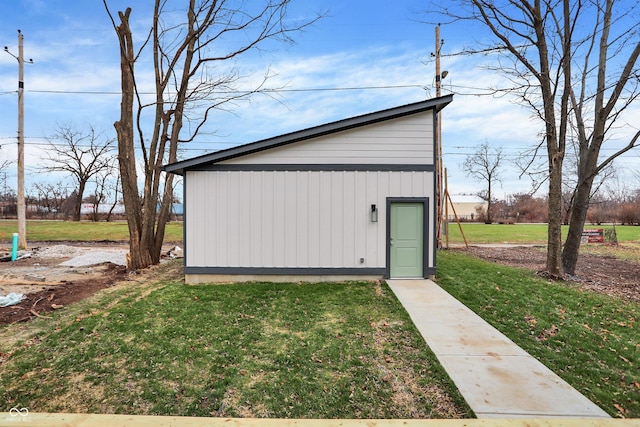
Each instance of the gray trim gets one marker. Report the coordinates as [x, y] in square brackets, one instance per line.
[434, 212]
[435, 138]
[435, 104]
[303, 271]
[435, 188]
[184, 220]
[426, 269]
[316, 167]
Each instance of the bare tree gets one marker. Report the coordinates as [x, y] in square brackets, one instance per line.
[484, 166]
[51, 197]
[4, 165]
[106, 189]
[82, 154]
[113, 191]
[575, 63]
[7, 195]
[189, 60]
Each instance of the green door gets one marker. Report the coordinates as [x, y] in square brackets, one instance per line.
[406, 240]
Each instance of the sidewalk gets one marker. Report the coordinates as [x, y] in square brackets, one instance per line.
[497, 378]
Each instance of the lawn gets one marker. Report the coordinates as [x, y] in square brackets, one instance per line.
[475, 232]
[44, 231]
[590, 340]
[156, 346]
[345, 350]
[525, 233]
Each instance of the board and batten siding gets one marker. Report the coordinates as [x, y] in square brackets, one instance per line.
[404, 140]
[294, 219]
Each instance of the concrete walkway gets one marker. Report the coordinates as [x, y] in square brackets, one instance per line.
[497, 378]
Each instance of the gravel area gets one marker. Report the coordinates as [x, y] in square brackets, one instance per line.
[82, 256]
[59, 251]
[98, 257]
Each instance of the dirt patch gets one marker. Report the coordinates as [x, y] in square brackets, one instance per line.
[54, 276]
[50, 297]
[600, 273]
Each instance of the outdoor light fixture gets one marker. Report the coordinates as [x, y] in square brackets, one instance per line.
[374, 213]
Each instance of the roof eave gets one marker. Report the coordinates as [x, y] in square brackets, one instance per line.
[437, 104]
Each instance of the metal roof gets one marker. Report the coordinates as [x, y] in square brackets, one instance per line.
[436, 104]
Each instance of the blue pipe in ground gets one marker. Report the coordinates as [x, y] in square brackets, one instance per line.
[14, 247]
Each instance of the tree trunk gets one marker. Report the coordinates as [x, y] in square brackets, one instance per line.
[155, 226]
[489, 208]
[78, 206]
[556, 137]
[568, 212]
[604, 110]
[554, 235]
[184, 59]
[139, 257]
[578, 219]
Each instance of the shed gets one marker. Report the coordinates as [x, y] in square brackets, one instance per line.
[352, 199]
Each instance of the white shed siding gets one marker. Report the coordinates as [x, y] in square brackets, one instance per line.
[405, 140]
[296, 219]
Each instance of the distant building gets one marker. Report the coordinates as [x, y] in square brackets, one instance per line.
[466, 207]
[103, 208]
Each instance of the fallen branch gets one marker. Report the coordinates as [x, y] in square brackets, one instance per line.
[34, 304]
[39, 315]
[33, 310]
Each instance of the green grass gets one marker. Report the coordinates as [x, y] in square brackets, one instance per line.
[42, 231]
[326, 350]
[243, 350]
[475, 232]
[590, 340]
[524, 233]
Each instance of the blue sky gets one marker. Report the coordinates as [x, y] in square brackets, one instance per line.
[377, 45]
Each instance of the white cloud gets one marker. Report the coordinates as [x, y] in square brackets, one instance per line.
[341, 70]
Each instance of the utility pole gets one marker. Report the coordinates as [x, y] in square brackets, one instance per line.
[22, 217]
[438, 147]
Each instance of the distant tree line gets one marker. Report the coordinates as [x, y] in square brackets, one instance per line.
[616, 207]
[90, 187]
[56, 201]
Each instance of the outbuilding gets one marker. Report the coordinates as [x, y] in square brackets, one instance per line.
[352, 199]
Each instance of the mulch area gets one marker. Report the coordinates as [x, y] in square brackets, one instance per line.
[604, 274]
[39, 304]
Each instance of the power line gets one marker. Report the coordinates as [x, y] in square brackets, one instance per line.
[453, 88]
[189, 146]
[326, 89]
[183, 147]
[469, 52]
